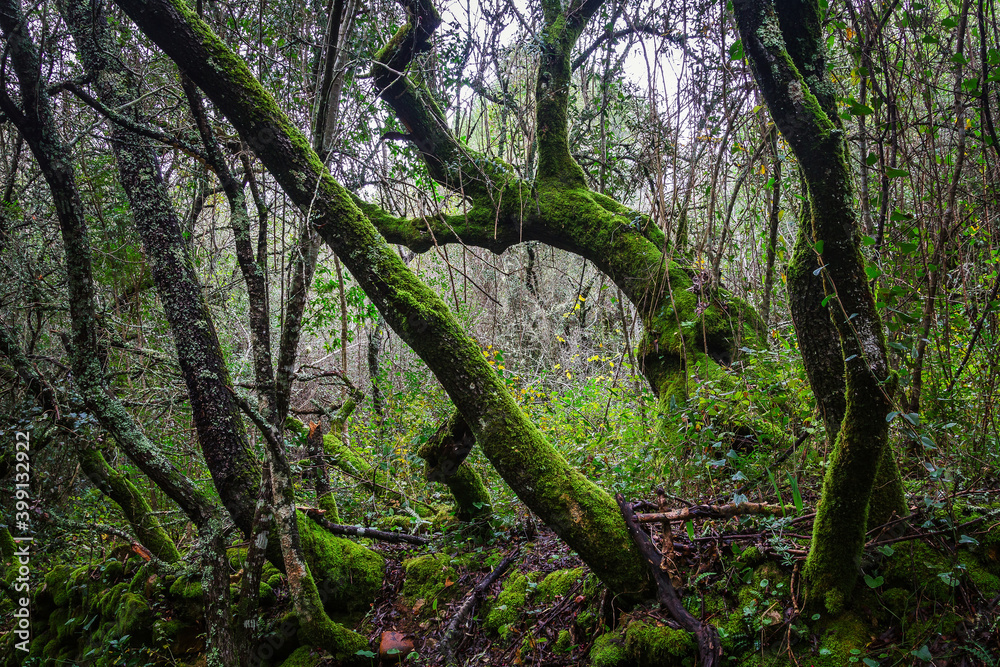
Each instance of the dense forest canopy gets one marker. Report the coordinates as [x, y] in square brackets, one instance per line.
[573, 332]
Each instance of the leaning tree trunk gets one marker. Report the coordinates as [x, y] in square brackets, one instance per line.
[579, 511]
[783, 43]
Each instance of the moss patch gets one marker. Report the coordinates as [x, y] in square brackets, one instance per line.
[347, 574]
[507, 608]
[657, 646]
[607, 651]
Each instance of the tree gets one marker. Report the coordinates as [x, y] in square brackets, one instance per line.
[784, 44]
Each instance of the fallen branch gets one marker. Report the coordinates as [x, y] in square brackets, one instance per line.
[357, 531]
[709, 648]
[445, 647]
[716, 512]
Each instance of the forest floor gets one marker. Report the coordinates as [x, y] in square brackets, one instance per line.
[928, 597]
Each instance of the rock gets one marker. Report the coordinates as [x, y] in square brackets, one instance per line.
[394, 647]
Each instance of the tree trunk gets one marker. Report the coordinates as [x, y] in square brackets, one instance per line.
[783, 43]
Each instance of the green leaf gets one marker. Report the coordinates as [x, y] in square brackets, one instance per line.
[907, 248]
[736, 50]
[859, 109]
[870, 662]
[796, 496]
[872, 272]
[365, 654]
[874, 582]
[818, 247]
[868, 241]
[965, 539]
[922, 653]
[959, 58]
[892, 172]
[871, 159]
[892, 415]
[690, 529]
[949, 22]
[949, 578]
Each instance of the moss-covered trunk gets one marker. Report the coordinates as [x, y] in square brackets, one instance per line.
[783, 41]
[215, 414]
[579, 511]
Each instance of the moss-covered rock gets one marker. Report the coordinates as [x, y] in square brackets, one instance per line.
[56, 583]
[430, 578]
[507, 608]
[304, 656]
[608, 651]
[564, 642]
[657, 646]
[348, 575]
[841, 638]
[558, 583]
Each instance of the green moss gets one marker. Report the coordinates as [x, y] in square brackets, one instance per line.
[56, 581]
[935, 624]
[564, 642]
[7, 546]
[429, 578]
[348, 576]
[507, 608]
[751, 556]
[838, 637]
[328, 503]
[187, 590]
[113, 571]
[608, 651]
[134, 616]
[989, 550]
[898, 601]
[304, 656]
[916, 566]
[657, 646]
[400, 521]
[558, 583]
[985, 581]
[472, 500]
[107, 603]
